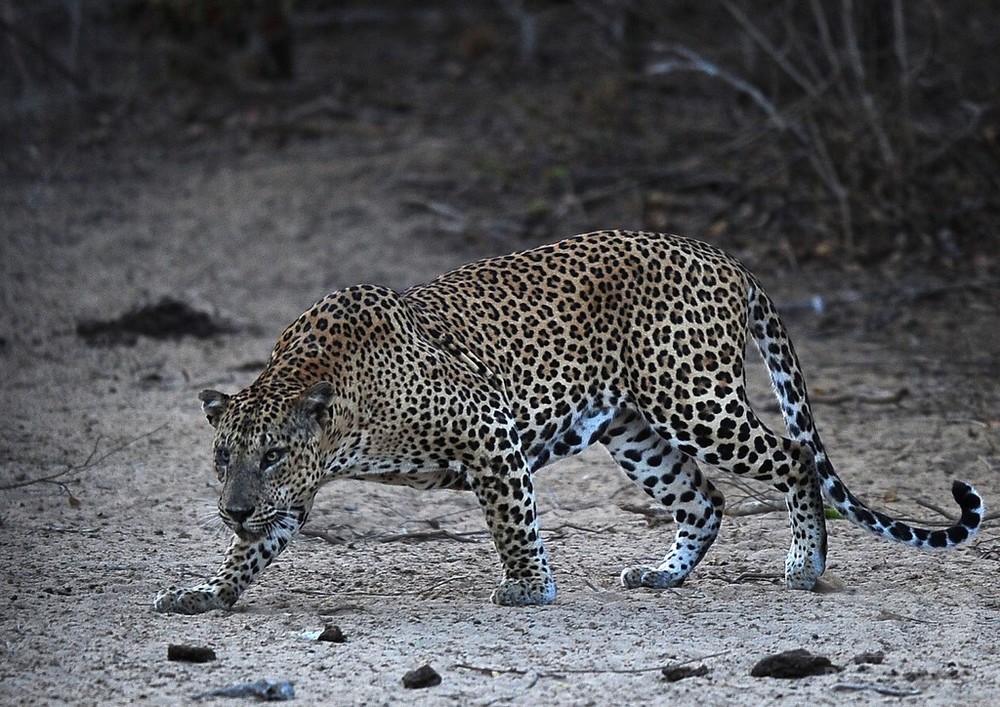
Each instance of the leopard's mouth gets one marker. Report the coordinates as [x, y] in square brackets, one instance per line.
[276, 522]
[247, 530]
[246, 534]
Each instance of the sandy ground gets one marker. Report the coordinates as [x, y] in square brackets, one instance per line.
[257, 238]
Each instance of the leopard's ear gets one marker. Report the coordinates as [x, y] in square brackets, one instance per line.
[316, 400]
[214, 404]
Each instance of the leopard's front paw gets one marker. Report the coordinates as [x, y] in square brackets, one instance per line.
[196, 600]
[803, 572]
[524, 592]
[651, 577]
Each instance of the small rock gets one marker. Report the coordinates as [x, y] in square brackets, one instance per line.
[798, 663]
[189, 654]
[874, 658]
[332, 634]
[425, 676]
[673, 673]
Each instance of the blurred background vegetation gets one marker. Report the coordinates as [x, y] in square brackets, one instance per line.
[832, 131]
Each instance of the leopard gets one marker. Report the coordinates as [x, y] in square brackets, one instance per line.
[479, 378]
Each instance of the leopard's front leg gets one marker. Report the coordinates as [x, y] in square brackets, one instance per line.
[245, 559]
[508, 501]
[503, 485]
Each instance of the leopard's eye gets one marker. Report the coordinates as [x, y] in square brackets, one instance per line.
[271, 457]
[222, 456]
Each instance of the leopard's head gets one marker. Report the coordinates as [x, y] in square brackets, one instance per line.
[268, 454]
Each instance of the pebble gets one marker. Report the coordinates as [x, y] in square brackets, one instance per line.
[332, 634]
[189, 654]
[425, 676]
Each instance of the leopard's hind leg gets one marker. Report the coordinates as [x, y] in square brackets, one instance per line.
[674, 479]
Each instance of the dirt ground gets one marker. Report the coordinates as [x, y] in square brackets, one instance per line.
[252, 231]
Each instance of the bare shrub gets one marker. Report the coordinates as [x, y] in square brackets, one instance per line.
[875, 141]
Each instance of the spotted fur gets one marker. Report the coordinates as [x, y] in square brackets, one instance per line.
[477, 379]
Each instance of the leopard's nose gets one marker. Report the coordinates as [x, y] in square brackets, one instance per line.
[239, 515]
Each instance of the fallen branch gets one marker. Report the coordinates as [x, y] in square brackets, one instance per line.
[441, 534]
[558, 673]
[325, 536]
[752, 576]
[744, 507]
[889, 398]
[428, 592]
[754, 508]
[951, 516]
[655, 515]
[60, 529]
[937, 509]
[582, 528]
[874, 687]
[754, 502]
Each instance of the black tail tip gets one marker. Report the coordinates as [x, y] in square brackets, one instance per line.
[971, 503]
[966, 496]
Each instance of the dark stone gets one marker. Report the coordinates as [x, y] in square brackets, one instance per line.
[332, 634]
[869, 658]
[189, 654]
[425, 676]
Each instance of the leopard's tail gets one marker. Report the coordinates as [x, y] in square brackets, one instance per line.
[789, 386]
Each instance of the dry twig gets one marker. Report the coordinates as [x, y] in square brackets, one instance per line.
[87, 463]
[950, 516]
[655, 515]
[753, 508]
[325, 536]
[880, 689]
[470, 536]
[889, 398]
[559, 673]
